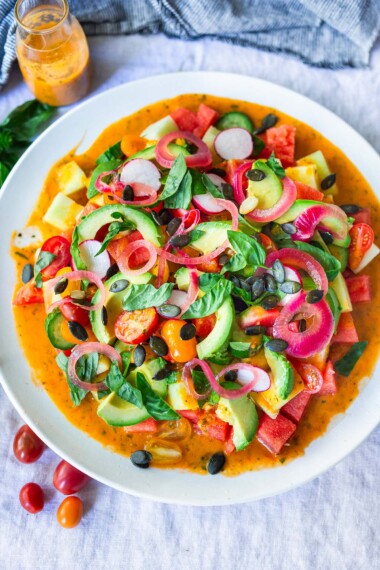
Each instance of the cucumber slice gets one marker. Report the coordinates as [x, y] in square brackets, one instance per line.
[53, 327]
[235, 119]
[240, 349]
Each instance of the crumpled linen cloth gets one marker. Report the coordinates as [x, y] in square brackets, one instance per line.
[324, 33]
[331, 523]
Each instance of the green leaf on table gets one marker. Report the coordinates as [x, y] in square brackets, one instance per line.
[175, 177]
[24, 121]
[346, 364]
[182, 197]
[4, 171]
[144, 296]
[44, 259]
[113, 153]
[155, 405]
[210, 302]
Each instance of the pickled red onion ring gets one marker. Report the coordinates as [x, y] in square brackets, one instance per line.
[77, 276]
[148, 193]
[202, 158]
[87, 348]
[287, 199]
[123, 259]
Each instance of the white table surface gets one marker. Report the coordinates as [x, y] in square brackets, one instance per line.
[330, 523]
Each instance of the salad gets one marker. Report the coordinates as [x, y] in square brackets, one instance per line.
[197, 287]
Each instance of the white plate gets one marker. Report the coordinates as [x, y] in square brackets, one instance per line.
[85, 123]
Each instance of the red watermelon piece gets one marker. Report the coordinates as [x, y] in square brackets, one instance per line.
[148, 426]
[282, 141]
[364, 215]
[186, 120]
[329, 386]
[296, 407]
[273, 434]
[206, 117]
[346, 331]
[359, 288]
[305, 192]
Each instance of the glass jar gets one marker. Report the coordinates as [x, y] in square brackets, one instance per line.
[52, 51]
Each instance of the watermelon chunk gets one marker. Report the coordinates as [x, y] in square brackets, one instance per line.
[206, 117]
[305, 192]
[229, 446]
[359, 288]
[191, 415]
[273, 434]
[282, 141]
[185, 119]
[329, 386]
[210, 425]
[364, 215]
[148, 426]
[296, 407]
[346, 331]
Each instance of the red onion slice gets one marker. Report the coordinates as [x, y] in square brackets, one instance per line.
[87, 348]
[192, 293]
[300, 260]
[78, 276]
[240, 181]
[123, 259]
[146, 196]
[166, 159]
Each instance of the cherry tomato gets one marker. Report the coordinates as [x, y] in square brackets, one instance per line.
[60, 247]
[70, 512]
[32, 498]
[180, 212]
[28, 294]
[72, 312]
[179, 350]
[204, 325]
[211, 266]
[68, 479]
[268, 243]
[133, 327]
[27, 446]
[116, 249]
[311, 376]
[362, 238]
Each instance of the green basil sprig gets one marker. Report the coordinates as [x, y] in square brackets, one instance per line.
[175, 176]
[145, 296]
[330, 264]
[210, 302]
[155, 405]
[182, 197]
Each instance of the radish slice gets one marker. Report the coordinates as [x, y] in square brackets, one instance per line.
[216, 180]
[98, 264]
[87, 348]
[141, 171]
[234, 143]
[123, 259]
[246, 375]
[177, 298]
[207, 203]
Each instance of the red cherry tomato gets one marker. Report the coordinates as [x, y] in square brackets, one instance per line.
[204, 325]
[27, 446]
[28, 294]
[362, 238]
[60, 247]
[68, 479]
[72, 312]
[133, 327]
[32, 498]
[311, 376]
[268, 243]
[70, 512]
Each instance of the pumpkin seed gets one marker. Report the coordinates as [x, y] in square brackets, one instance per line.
[228, 191]
[239, 304]
[216, 463]
[187, 332]
[290, 287]
[61, 286]
[156, 217]
[104, 316]
[27, 273]
[314, 296]
[268, 121]
[270, 283]
[257, 288]
[112, 270]
[78, 331]
[164, 217]
[278, 271]
[256, 175]
[182, 240]
[276, 345]
[128, 195]
[302, 325]
[223, 259]
[141, 458]
[173, 226]
[139, 355]
[119, 285]
[158, 345]
[289, 228]
[162, 373]
[168, 311]
[255, 330]
[231, 376]
[328, 182]
[218, 172]
[269, 302]
[77, 295]
[350, 209]
[327, 237]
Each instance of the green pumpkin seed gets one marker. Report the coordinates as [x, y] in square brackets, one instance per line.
[128, 195]
[216, 463]
[269, 302]
[255, 330]
[182, 240]
[228, 191]
[27, 273]
[278, 271]
[276, 345]
[139, 355]
[162, 373]
[119, 285]
[270, 283]
[350, 209]
[289, 228]
[256, 175]
[187, 332]
[290, 287]
[141, 458]
[314, 296]
[327, 237]
[173, 226]
[168, 311]
[78, 331]
[328, 182]
[61, 286]
[158, 345]
[104, 315]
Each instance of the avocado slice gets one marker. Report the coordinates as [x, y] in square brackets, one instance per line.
[118, 412]
[296, 209]
[268, 191]
[282, 371]
[106, 333]
[215, 233]
[149, 369]
[241, 414]
[180, 399]
[221, 332]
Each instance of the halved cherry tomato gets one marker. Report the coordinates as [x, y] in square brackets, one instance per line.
[362, 238]
[72, 312]
[60, 247]
[133, 327]
[211, 266]
[179, 350]
[32, 498]
[268, 243]
[68, 479]
[28, 294]
[204, 325]
[311, 376]
[70, 512]
[27, 446]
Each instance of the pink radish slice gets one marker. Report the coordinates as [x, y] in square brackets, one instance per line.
[216, 180]
[98, 264]
[177, 298]
[245, 376]
[207, 204]
[234, 143]
[141, 171]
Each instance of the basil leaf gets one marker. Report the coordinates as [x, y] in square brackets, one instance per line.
[196, 234]
[25, 120]
[145, 296]
[210, 187]
[156, 406]
[345, 365]
[126, 360]
[175, 176]
[87, 366]
[44, 259]
[182, 198]
[236, 263]
[207, 281]
[197, 186]
[248, 250]
[114, 229]
[76, 394]
[201, 384]
[130, 394]
[258, 145]
[172, 377]
[74, 250]
[103, 167]
[115, 378]
[330, 264]
[246, 227]
[275, 165]
[114, 152]
[210, 302]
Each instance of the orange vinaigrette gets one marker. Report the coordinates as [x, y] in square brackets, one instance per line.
[52, 51]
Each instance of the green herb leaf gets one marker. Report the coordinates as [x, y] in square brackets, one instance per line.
[258, 145]
[195, 234]
[156, 406]
[25, 120]
[236, 263]
[114, 229]
[345, 365]
[197, 186]
[249, 252]
[175, 176]
[181, 198]
[86, 370]
[207, 281]
[126, 360]
[275, 165]
[130, 394]
[4, 171]
[330, 264]
[114, 378]
[145, 296]
[210, 302]
[114, 152]
[44, 259]
[172, 377]
[74, 250]
[210, 187]
[103, 167]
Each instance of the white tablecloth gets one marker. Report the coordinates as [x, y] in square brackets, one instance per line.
[330, 523]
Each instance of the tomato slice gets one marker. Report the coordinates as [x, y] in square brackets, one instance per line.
[204, 325]
[362, 238]
[311, 376]
[133, 327]
[138, 257]
[268, 243]
[72, 312]
[28, 294]
[60, 247]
